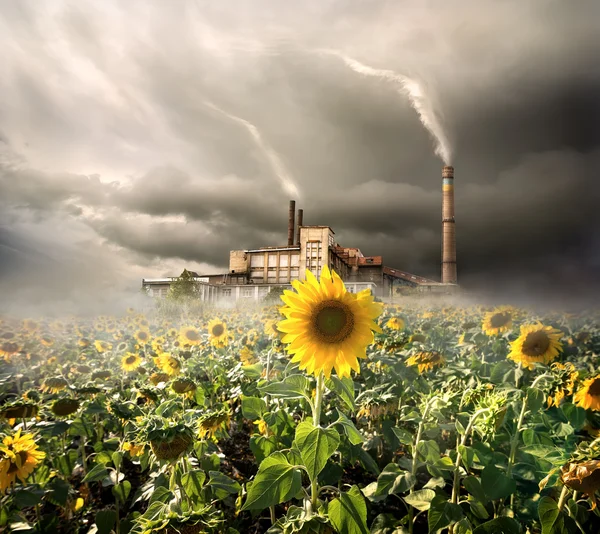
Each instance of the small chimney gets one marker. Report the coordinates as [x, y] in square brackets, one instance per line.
[448, 227]
[291, 216]
[298, 225]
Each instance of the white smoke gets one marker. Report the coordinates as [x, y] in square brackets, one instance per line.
[418, 100]
[273, 158]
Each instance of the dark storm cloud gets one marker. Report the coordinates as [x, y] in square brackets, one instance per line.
[110, 119]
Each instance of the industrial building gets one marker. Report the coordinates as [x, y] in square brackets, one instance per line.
[254, 272]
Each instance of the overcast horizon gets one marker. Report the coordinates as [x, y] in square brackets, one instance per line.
[141, 140]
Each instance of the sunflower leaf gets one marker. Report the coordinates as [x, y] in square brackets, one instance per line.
[348, 513]
[292, 387]
[316, 445]
[344, 387]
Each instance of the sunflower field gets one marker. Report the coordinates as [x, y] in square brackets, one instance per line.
[329, 413]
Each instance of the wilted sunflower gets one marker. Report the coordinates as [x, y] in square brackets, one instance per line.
[130, 362]
[210, 424]
[168, 364]
[46, 340]
[133, 449]
[84, 342]
[30, 325]
[19, 455]
[157, 378]
[497, 321]
[8, 349]
[417, 338]
[247, 356]
[588, 396]
[54, 384]
[395, 323]
[583, 477]
[271, 328]
[190, 335]
[426, 361]
[326, 327]
[218, 333]
[536, 344]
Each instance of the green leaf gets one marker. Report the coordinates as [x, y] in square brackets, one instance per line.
[292, 387]
[574, 415]
[442, 514]
[421, 499]
[65, 463]
[348, 513]
[81, 427]
[500, 525]
[222, 485]
[535, 399]
[344, 387]
[121, 491]
[161, 495]
[253, 372]
[98, 472]
[263, 446]
[117, 458]
[548, 513]
[316, 445]
[105, 521]
[463, 527]
[403, 435]
[27, 498]
[392, 480]
[428, 451]
[192, 482]
[59, 491]
[253, 408]
[496, 484]
[277, 481]
[473, 486]
[354, 436]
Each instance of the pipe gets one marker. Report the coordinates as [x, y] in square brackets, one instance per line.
[291, 215]
[299, 224]
[448, 227]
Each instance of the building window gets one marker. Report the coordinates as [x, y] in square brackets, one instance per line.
[283, 260]
[227, 292]
[257, 260]
[295, 260]
[272, 260]
[247, 292]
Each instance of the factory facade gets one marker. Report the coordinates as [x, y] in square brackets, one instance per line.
[253, 273]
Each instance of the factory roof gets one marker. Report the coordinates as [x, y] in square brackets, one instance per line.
[395, 273]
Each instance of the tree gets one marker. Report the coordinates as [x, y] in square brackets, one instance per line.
[184, 287]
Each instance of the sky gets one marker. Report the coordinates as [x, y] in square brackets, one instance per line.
[138, 138]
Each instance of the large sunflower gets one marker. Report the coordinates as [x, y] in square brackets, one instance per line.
[395, 323]
[18, 457]
[426, 361]
[326, 327]
[588, 396]
[218, 333]
[142, 336]
[168, 364]
[497, 321]
[536, 344]
[189, 335]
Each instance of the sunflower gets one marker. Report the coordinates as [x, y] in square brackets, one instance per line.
[247, 356]
[142, 336]
[189, 335]
[583, 477]
[588, 396]
[168, 364]
[102, 346]
[84, 342]
[564, 376]
[497, 321]
[218, 333]
[30, 325]
[54, 384]
[536, 344]
[133, 449]
[47, 341]
[426, 361]
[130, 362]
[271, 328]
[395, 323]
[19, 455]
[209, 424]
[157, 378]
[8, 349]
[326, 327]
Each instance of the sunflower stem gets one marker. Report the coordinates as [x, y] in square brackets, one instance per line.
[514, 443]
[314, 485]
[563, 498]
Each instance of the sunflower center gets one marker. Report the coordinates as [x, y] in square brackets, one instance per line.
[499, 319]
[130, 360]
[14, 467]
[536, 344]
[192, 335]
[594, 389]
[218, 330]
[333, 321]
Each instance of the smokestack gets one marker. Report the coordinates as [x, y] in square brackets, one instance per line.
[448, 227]
[298, 225]
[291, 217]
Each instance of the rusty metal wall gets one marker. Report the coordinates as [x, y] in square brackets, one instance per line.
[299, 224]
[448, 227]
[291, 217]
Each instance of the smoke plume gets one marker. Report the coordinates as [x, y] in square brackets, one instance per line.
[420, 102]
[274, 160]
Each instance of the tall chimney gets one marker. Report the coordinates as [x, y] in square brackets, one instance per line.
[291, 216]
[299, 224]
[448, 227]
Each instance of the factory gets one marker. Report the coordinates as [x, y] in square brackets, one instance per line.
[253, 273]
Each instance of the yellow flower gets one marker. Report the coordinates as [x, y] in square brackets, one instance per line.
[565, 376]
[211, 423]
[134, 450]
[142, 336]
[395, 323]
[426, 361]
[218, 333]
[54, 384]
[102, 346]
[168, 364]
[537, 343]
[189, 335]
[19, 455]
[588, 396]
[130, 362]
[247, 356]
[327, 327]
[263, 428]
[497, 321]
